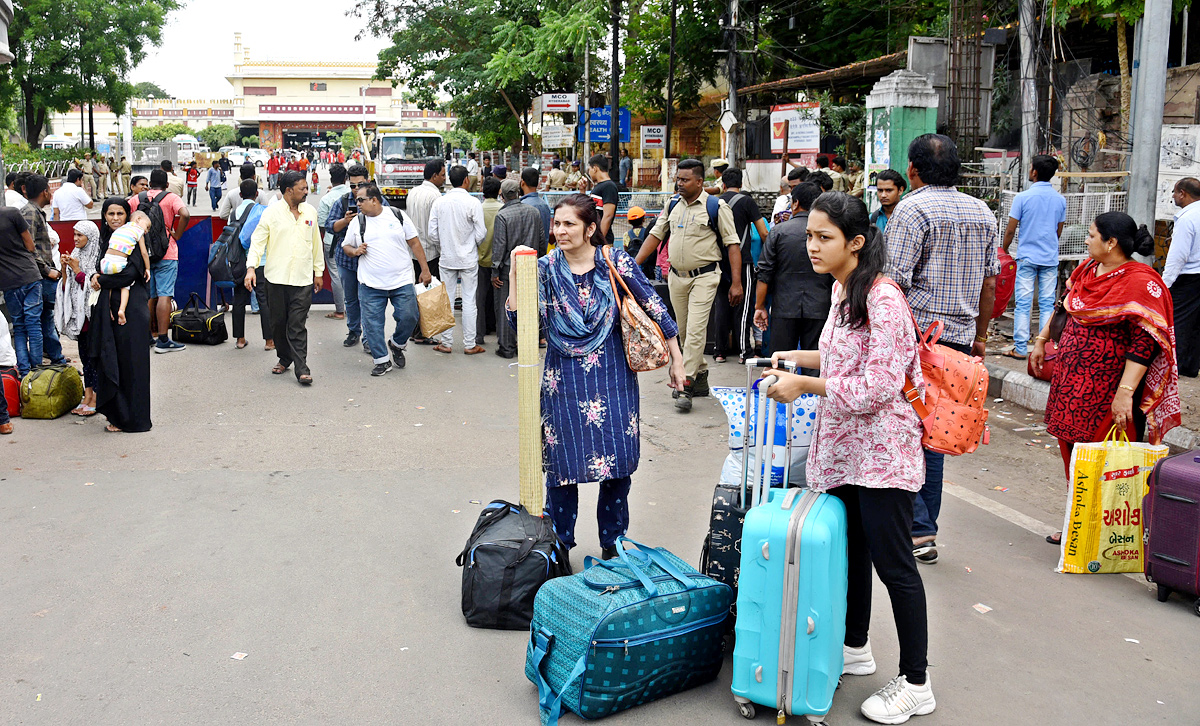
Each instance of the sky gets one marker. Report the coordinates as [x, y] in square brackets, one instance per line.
[197, 42]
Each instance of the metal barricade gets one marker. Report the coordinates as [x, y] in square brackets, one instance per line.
[1082, 208]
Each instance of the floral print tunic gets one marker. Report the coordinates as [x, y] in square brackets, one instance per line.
[866, 432]
[590, 404]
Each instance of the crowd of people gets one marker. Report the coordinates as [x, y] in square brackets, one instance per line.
[825, 285]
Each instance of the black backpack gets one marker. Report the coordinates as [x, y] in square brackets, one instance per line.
[362, 221]
[158, 239]
[509, 556]
[226, 256]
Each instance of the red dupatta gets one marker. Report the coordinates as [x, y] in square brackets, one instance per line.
[1134, 292]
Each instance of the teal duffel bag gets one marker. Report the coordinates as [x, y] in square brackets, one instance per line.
[50, 391]
[624, 632]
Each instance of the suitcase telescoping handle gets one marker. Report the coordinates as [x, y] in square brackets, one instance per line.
[760, 488]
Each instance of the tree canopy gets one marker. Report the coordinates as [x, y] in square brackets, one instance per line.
[146, 89]
[218, 135]
[74, 52]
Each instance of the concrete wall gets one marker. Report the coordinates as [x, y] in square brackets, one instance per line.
[1182, 104]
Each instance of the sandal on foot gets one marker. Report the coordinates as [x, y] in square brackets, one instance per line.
[1054, 539]
[1012, 353]
[113, 429]
[279, 368]
[442, 349]
[305, 380]
[241, 344]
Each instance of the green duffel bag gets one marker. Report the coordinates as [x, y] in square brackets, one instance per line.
[50, 391]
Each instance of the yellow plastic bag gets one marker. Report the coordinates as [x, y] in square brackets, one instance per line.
[1102, 531]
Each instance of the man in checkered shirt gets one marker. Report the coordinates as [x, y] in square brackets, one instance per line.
[942, 250]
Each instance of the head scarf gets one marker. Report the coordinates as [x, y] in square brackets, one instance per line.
[1134, 292]
[579, 315]
[105, 230]
[72, 309]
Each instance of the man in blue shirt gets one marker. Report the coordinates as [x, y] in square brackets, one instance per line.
[1182, 275]
[1041, 213]
[889, 187]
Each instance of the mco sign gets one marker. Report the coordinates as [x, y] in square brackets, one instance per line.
[557, 102]
[653, 137]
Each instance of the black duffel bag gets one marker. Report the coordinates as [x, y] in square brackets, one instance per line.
[197, 323]
[508, 557]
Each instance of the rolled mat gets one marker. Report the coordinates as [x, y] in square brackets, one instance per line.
[528, 393]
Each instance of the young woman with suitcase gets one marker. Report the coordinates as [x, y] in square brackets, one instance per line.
[866, 447]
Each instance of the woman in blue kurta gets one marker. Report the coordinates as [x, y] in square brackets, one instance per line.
[590, 400]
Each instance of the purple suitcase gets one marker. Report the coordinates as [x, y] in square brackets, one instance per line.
[1172, 519]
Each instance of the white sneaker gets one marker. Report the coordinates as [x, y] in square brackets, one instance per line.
[858, 661]
[898, 700]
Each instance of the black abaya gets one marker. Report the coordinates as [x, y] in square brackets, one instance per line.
[122, 352]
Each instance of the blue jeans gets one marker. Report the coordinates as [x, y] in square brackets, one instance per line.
[928, 503]
[612, 510]
[214, 196]
[51, 347]
[1046, 277]
[373, 304]
[25, 306]
[350, 291]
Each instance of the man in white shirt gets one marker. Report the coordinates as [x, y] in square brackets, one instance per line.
[12, 194]
[1182, 274]
[386, 244]
[420, 203]
[174, 181]
[456, 224]
[70, 202]
[472, 172]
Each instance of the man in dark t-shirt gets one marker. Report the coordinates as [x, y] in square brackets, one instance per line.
[21, 282]
[734, 325]
[605, 193]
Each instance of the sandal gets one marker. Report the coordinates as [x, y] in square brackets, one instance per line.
[1054, 539]
[336, 316]
[1012, 353]
[241, 344]
[113, 429]
[305, 380]
[279, 368]
[718, 359]
[88, 411]
[442, 349]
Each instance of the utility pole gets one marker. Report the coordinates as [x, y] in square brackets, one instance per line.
[1029, 98]
[587, 99]
[1149, 93]
[733, 136]
[614, 125]
[670, 86]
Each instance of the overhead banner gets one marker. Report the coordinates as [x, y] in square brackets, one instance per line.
[802, 124]
[653, 137]
[558, 137]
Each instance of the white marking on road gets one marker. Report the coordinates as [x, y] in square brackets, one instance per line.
[1011, 515]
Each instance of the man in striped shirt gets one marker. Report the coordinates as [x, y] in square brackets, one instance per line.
[942, 250]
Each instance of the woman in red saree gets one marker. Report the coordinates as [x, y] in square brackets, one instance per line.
[1116, 354]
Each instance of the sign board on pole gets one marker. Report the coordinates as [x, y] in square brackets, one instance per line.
[557, 103]
[558, 137]
[653, 137]
[600, 121]
[803, 128]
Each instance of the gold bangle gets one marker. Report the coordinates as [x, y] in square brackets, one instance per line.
[1127, 388]
[1041, 338]
[981, 339]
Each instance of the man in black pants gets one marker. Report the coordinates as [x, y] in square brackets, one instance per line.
[800, 297]
[1182, 275]
[290, 239]
[733, 321]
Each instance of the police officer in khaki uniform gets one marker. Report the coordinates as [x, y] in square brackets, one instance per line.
[695, 253]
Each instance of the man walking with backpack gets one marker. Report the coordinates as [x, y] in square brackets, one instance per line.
[287, 242]
[385, 243]
[698, 225]
[169, 219]
[734, 322]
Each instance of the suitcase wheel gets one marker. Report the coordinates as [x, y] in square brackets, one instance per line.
[1164, 592]
[746, 709]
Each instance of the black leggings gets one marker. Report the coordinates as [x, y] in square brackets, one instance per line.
[879, 528]
[241, 298]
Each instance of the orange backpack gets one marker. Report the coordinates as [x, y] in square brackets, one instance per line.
[953, 413]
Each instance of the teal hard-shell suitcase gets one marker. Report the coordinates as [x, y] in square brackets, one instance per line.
[791, 600]
[624, 632]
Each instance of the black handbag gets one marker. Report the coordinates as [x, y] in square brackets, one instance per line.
[196, 323]
[509, 556]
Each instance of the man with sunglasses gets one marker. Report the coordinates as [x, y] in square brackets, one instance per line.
[341, 214]
[385, 243]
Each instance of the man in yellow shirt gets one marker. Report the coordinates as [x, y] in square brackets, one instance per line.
[290, 239]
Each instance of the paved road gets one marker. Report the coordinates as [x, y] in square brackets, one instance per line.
[315, 530]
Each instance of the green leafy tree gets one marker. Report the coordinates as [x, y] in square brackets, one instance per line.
[166, 132]
[491, 59]
[146, 89]
[1107, 13]
[68, 52]
[217, 135]
[250, 141]
[647, 54]
[351, 139]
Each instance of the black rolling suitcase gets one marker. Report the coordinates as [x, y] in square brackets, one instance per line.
[721, 554]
